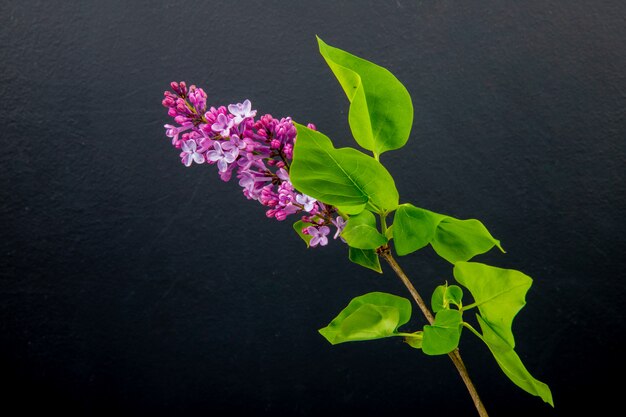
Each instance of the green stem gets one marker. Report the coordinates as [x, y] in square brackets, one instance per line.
[455, 355]
[467, 307]
[473, 330]
[383, 223]
[405, 334]
[343, 215]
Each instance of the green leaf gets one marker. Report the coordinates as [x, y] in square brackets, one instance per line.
[360, 232]
[512, 365]
[498, 293]
[375, 315]
[365, 257]
[345, 178]
[444, 295]
[414, 228]
[444, 334]
[350, 209]
[415, 340]
[381, 111]
[461, 240]
[298, 226]
[453, 239]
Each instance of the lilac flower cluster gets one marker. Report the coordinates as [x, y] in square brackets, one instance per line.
[257, 151]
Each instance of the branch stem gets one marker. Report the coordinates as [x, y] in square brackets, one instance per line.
[455, 355]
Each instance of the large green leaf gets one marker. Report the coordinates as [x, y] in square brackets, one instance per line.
[444, 295]
[498, 293]
[370, 316]
[443, 335]
[413, 228]
[381, 111]
[453, 239]
[345, 177]
[365, 257]
[461, 240]
[360, 231]
[511, 364]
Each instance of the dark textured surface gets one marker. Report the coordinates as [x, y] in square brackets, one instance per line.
[130, 284]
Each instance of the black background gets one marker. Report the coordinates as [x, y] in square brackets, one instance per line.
[131, 284]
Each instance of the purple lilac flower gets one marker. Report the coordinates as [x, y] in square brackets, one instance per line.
[241, 111]
[284, 206]
[211, 117]
[222, 158]
[252, 183]
[234, 145]
[197, 97]
[259, 151]
[308, 203]
[318, 235]
[339, 223]
[282, 174]
[204, 144]
[222, 125]
[189, 153]
[228, 173]
[172, 131]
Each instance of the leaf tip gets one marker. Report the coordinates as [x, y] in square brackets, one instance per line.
[326, 334]
[500, 246]
[320, 42]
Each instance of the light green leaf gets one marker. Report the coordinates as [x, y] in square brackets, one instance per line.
[461, 240]
[298, 226]
[444, 295]
[340, 177]
[360, 232]
[453, 239]
[512, 365]
[350, 209]
[498, 293]
[381, 111]
[415, 340]
[370, 316]
[414, 228]
[365, 257]
[444, 334]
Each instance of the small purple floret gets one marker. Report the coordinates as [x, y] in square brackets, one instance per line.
[222, 158]
[241, 111]
[222, 125]
[189, 153]
[318, 235]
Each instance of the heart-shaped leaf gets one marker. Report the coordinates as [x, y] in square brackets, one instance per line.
[360, 232]
[414, 228]
[444, 295]
[443, 335]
